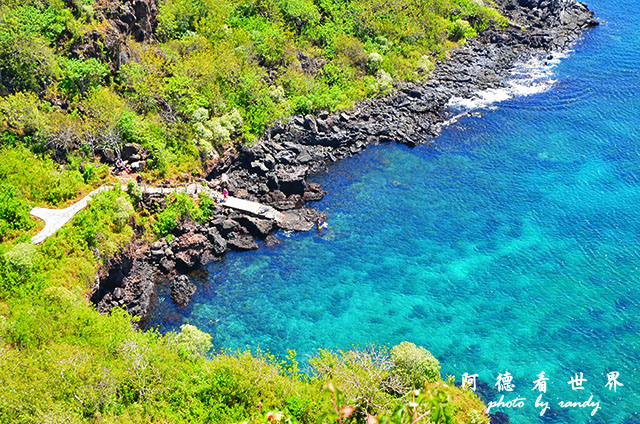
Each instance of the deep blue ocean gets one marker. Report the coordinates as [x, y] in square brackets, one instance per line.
[511, 245]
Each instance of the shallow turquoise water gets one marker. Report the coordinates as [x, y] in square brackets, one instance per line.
[514, 244]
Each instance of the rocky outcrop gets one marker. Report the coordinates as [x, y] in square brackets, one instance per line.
[182, 290]
[135, 19]
[127, 280]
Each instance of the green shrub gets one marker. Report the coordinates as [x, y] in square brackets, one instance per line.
[122, 211]
[352, 49]
[59, 295]
[335, 75]
[192, 342]
[176, 18]
[38, 180]
[461, 29]
[276, 93]
[180, 205]
[425, 64]
[202, 131]
[207, 205]
[82, 76]
[373, 62]
[384, 82]
[235, 119]
[219, 132]
[300, 13]
[22, 256]
[27, 59]
[414, 366]
[14, 212]
[20, 113]
[270, 43]
[362, 375]
[200, 115]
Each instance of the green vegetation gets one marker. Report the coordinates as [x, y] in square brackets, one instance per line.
[62, 361]
[213, 72]
[182, 205]
[220, 70]
[414, 366]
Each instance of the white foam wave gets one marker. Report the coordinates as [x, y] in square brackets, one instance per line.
[529, 78]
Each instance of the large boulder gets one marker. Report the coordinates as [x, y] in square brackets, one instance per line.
[129, 151]
[218, 242]
[182, 290]
[188, 249]
[242, 242]
[291, 180]
[257, 227]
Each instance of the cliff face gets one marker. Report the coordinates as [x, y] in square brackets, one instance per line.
[136, 19]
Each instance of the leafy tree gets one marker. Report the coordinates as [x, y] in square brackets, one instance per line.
[81, 76]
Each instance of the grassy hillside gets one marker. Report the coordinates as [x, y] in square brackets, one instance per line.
[73, 84]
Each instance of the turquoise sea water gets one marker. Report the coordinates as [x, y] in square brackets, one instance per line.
[513, 244]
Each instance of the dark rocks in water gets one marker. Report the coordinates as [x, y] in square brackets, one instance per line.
[632, 419]
[242, 243]
[189, 247]
[314, 193]
[301, 219]
[485, 391]
[228, 226]
[182, 290]
[280, 201]
[257, 227]
[499, 418]
[271, 240]
[218, 242]
[291, 180]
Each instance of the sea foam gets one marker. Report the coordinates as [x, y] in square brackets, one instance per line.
[526, 79]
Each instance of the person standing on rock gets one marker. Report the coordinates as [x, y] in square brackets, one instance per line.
[225, 194]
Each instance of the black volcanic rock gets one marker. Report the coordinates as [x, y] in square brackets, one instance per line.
[242, 242]
[182, 290]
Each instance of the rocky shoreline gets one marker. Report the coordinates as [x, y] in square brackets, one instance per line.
[274, 171]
